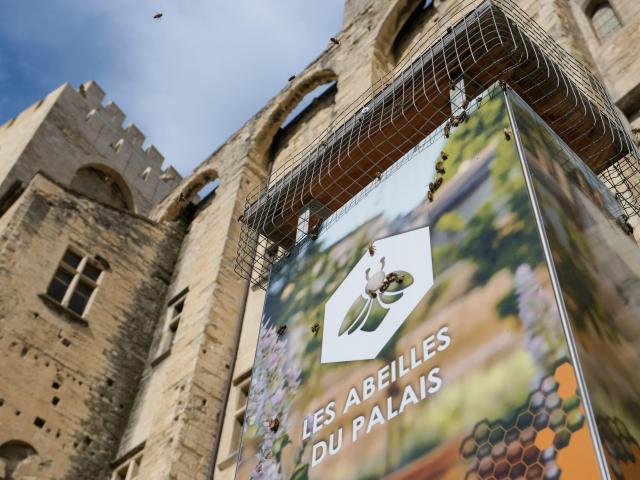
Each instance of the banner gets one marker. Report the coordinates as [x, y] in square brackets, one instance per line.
[419, 335]
[598, 266]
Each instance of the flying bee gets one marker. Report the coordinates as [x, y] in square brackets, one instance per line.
[334, 41]
[507, 134]
[628, 228]
[440, 167]
[394, 389]
[315, 329]
[443, 155]
[623, 221]
[274, 425]
[281, 330]
[315, 231]
[371, 248]
[370, 308]
[157, 16]
[394, 277]
[291, 78]
[430, 196]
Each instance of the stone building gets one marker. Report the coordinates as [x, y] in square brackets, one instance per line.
[126, 337]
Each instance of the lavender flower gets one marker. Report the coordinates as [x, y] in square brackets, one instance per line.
[275, 379]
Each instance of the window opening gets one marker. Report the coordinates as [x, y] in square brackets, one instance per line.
[315, 94]
[172, 321]
[74, 282]
[407, 33]
[129, 470]
[605, 21]
[239, 414]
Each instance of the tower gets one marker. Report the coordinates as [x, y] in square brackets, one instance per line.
[148, 378]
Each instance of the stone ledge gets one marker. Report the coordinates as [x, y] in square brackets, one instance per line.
[67, 313]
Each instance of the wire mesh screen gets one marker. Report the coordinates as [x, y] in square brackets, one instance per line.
[474, 45]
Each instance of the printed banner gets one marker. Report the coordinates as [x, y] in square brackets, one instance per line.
[419, 336]
[598, 266]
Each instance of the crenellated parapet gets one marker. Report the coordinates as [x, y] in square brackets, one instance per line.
[120, 137]
[82, 141]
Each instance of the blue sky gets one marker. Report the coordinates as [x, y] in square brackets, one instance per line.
[188, 80]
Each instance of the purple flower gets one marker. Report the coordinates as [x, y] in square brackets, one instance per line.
[276, 377]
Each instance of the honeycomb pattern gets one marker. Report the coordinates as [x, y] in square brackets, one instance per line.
[527, 446]
[619, 444]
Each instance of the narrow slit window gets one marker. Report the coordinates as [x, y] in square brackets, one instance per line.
[129, 470]
[74, 282]
[239, 414]
[171, 324]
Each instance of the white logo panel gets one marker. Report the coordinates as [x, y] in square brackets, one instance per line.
[377, 296]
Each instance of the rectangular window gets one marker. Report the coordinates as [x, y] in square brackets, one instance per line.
[129, 470]
[241, 407]
[171, 323]
[74, 282]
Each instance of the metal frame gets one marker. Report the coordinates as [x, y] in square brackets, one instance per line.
[473, 45]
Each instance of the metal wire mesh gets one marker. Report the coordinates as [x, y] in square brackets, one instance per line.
[475, 44]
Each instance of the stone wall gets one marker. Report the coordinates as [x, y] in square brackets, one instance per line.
[179, 407]
[68, 381]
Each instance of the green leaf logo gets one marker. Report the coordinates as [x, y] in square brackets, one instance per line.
[380, 291]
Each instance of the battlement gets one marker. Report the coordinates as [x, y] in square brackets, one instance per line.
[121, 137]
[72, 129]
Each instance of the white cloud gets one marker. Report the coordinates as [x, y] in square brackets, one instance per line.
[188, 80]
[195, 76]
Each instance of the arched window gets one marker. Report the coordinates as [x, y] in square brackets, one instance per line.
[195, 192]
[17, 457]
[404, 23]
[605, 21]
[301, 94]
[412, 29]
[104, 185]
[287, 139]
[313, 97]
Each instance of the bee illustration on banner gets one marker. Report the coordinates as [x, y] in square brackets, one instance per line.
[370, 309]
[377, 295]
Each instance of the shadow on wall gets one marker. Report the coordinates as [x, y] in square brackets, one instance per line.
[104, 185]
[397, 33]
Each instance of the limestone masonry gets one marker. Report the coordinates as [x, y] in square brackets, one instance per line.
[126, 338]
